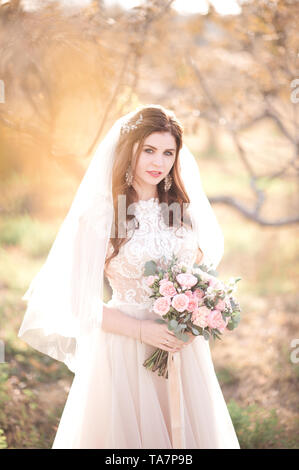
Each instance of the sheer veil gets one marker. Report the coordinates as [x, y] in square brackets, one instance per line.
[65, 298]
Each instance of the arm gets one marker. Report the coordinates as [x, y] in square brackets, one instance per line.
[146, 331]
[114, 321]
[199, 256]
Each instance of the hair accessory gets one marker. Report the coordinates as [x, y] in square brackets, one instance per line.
[126, 128]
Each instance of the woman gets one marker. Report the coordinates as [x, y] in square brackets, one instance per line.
[120, 219]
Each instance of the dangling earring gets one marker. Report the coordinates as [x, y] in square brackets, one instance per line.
[167, 182]
[129, 176]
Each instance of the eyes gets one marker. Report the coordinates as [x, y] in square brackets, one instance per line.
[167, 151]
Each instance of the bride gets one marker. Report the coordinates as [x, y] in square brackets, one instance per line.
[120, 218]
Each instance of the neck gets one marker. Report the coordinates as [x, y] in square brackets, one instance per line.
[146, 193]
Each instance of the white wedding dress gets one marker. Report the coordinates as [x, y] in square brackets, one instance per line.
[114, 401]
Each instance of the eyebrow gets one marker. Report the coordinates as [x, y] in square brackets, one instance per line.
[148, 145]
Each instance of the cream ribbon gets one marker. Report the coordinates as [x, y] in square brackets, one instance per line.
[175, 400]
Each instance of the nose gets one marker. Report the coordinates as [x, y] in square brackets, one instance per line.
[158, 160]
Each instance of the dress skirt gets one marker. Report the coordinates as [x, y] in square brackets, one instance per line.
[116, 403]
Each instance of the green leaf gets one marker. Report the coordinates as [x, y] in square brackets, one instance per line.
[179, 329]
[159, 320]
[212, 272]
[173, 324]
[150, 268]
[216, 333]
[206, 334]
[183, 337]
[236, 318]
[195, 332]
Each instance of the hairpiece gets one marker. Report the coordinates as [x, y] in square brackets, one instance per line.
[125, 128]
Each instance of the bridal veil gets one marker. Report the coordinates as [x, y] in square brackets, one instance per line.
[65, 298]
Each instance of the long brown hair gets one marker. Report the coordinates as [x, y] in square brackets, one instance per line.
[155, 118]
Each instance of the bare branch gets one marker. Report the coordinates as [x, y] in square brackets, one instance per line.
[252, 214]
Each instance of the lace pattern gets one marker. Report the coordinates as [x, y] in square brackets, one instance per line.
[151, 240]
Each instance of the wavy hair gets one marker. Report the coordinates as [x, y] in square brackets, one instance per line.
[156, 118]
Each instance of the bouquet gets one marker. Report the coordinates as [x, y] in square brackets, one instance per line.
[189, 300]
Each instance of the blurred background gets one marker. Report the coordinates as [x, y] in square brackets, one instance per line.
[229, 70]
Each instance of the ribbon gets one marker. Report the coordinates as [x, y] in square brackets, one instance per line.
[175, 400]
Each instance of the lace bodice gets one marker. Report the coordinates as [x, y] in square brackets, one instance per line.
[150, 241]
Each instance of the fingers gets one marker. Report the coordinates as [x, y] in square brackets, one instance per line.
[168, 349]
[169, 345]
[172, 342]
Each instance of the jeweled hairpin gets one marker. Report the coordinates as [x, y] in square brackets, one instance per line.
[125, 128]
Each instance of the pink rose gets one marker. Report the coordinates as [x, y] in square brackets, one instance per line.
[223, 327]
[193, 303]
[167, 289]
[189, 293]
[186, 280]
[151, 279]
[220, 305]
[215, 319]
[198, 292]
[200, 316]
[161, 305]
[180, 302]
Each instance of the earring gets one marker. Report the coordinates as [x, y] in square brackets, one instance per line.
[167, 182]
[129, 176]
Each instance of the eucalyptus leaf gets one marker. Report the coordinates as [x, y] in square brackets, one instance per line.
[159, 320]
[236, 318]
[178, 329]
[183, 337]
[206, 334]
[216, 333]
[150, 268]
[195, 332]
[173, 324]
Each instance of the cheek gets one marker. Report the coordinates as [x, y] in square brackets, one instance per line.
[141, 165]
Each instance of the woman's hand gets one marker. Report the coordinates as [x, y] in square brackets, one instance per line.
[158, 335]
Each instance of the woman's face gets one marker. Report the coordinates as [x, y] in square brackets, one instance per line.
[158, 155]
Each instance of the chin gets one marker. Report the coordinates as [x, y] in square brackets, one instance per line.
[153, 183]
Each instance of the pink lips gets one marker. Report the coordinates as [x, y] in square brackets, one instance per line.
[155, 174]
